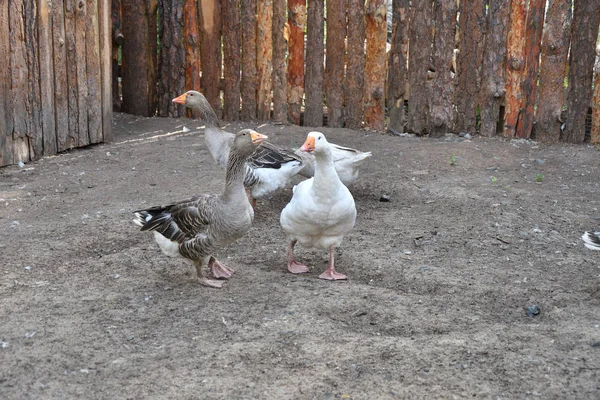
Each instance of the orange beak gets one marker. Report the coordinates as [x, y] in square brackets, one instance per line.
[181, 99]
[258, 137]
[309, 144]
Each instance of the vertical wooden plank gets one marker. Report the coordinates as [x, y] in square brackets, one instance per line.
[117, 42]
[375, 67]
[535, 23]
[231, 59]
[72, 139]
[6, 114]
[441, 108]
[555, 49]
[139, 57]
[210, 51]
[595, 130]
[249, 82]
[280, 36]
[105, 29]
[297, 24]
[19, 80]
[46, 78]
[93, 73]
[61, 85]
[420, 38]
[81, 33]
[334, 63]
[584, 33]
[468, 63]
[315, 55]
[191, 44]
[397, 66]
[492, 78]
[515, 66]
[264, 58]
[171, 62]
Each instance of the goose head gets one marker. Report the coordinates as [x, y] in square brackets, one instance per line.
[316, 143]
[191, 99]
[246, 141]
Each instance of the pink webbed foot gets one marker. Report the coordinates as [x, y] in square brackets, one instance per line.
[219, 270]
[332, 275]
[211, 283]
[297, 268]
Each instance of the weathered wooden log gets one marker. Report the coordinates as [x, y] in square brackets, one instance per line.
[492, 78]
[72, 136]
[315, 53]
[46, 77]
[441, 109]
[334, 65]
[117, 42]
[297, 24]
[468, 63]
[398, 54]
[584, 33]
[595, 130]
[249, 83]
[375, 65]
[420, 38]
[6, 101]
[231, 59]
[81, 33]
[515, 65]
[533, 40]
[93, 73]
[280, 36]
[191, 45]
[210, 51]
[139, 57]
[171, 63]
[61, 83]
[264, 58]
[553, 69]
[105, 26]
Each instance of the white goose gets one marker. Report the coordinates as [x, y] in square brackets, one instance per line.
[591, 240]
[346, 160]
[268, 169]
[321, 211]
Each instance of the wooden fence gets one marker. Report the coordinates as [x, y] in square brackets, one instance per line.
[452, 66]
[55, 77]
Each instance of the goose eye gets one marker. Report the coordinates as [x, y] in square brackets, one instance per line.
[319, 138]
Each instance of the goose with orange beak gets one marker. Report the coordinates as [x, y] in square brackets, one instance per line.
[322, 209]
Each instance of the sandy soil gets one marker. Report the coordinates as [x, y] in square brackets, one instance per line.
[440, 277]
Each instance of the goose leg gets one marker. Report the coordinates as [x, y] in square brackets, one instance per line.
[202, 279]
[219, 270]
[330, 272]
[294, 266]
[253, 203]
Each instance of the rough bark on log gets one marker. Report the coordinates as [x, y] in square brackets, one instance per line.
[595, 130]
[264, 58]
[468, 74]
[249, 84]
[419, 60]
[171, 63]
[6, 111]
[535, 23]
[105, 25]
[396, 91]
[315, 54]
[375, 66]
[191, 44]
[46, 78]
[93, 73]
[81, 33]
[584, 33]
[61, 84]
[334, 63]
[354, 84]
[492, 78]
[72, 138]
[116, 42]
[34, 121]
[551, 91]
[280, 36]
[297, 24]
[515, 65]
[231, 57]
[441, 108]
[210, 51]
[139, 57]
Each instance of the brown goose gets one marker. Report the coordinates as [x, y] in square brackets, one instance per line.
[269, 168]
[196, 228]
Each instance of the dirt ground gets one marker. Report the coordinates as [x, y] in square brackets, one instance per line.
[440, 277]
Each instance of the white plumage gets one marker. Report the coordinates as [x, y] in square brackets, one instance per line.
[591, 240]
